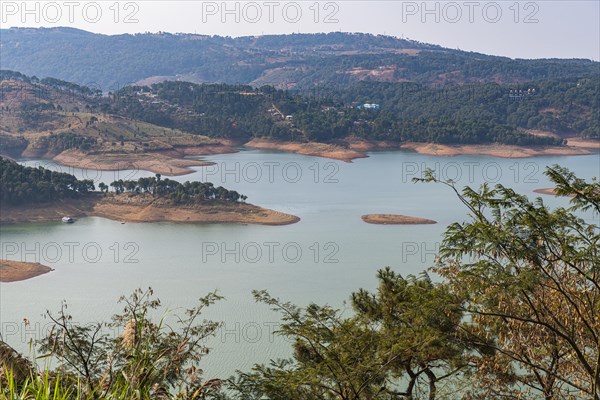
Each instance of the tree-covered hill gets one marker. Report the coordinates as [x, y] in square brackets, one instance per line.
[170, 114]
[298, 61]
[567, 107]
[480, 113]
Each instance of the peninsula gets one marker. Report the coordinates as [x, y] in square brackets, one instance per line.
[40, 195]
[13, 271]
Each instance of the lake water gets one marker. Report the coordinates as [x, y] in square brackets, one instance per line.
[323, 258]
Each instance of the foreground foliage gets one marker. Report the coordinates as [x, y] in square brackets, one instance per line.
[532, 289]
[148, 360]
[402, 341]
[517, 316]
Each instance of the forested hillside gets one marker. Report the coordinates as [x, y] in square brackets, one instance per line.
[170, 114]
[44, 117]
[562, 106]
[484, 113]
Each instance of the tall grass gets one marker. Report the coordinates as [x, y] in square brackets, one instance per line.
[47, 386]
[150, 360]
[41, 387]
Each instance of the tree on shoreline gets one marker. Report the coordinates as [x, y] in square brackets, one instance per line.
[532, 289]
[180, 193]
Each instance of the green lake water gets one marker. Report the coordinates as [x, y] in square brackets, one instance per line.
[323, 258]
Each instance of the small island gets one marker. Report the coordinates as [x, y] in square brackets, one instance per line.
[40, 195]
[550, 192]
[14, 271]
[546, 191]
[395, 219]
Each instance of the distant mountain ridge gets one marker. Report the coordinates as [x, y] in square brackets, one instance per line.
[297, 61]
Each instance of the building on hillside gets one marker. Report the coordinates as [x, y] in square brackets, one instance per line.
[369, 106]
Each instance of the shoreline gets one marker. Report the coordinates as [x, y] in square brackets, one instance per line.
[395, 219]
[158, 163]
[145, 209]
[499, 150]
[174, 163]
[15, 271]
[550, 192]
[315, 149]
[354, 148]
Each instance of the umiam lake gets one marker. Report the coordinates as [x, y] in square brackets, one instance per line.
[323, 258]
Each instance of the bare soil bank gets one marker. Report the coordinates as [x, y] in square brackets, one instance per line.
[173, 163]
[496, 150]
[13, 271]
[352, 148]
[332, 151]
[549, 192]
[158, 163]
[145, 208]
[546, 191]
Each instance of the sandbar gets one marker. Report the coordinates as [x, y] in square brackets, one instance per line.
[14, 271]
[395, 219]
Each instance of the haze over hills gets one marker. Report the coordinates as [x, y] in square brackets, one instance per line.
[297, 61]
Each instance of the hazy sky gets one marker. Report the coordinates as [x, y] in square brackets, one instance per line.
[524, 29]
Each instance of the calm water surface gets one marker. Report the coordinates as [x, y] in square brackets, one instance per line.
[322, 259]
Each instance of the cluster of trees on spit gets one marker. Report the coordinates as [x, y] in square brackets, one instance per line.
[180, 193]
[23, 185]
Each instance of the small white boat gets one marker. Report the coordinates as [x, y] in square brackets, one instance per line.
[68, 220]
